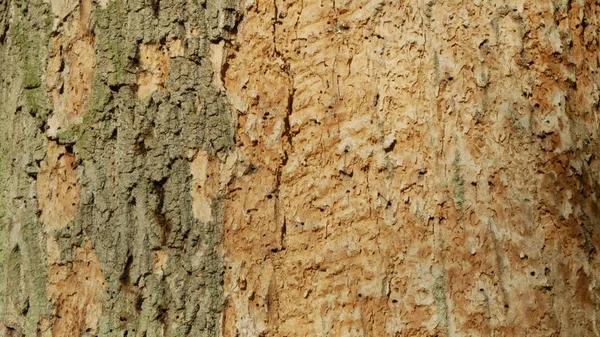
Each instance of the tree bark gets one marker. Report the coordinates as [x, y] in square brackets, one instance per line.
[299, 168]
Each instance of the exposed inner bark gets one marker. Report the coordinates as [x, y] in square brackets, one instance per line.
[299, 168]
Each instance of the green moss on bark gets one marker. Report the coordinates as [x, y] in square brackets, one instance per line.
[23, 276]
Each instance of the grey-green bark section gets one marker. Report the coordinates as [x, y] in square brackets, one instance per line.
[132, 163]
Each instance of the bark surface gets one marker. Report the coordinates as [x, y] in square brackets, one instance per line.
[299, 168]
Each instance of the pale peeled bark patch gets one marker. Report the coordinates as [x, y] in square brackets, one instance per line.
[159, 262]
[155, 66]
[203, 169]
[412, 169]
[57, 189]
[62, 8]
[176, 48]
[210, 178]
[154, 63]
[103, 3]
[216, 60]
[77, 293]
[71, 64]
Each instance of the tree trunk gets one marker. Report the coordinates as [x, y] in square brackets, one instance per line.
[299, 168]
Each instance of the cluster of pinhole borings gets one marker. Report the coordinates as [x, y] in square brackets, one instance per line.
[475, 179]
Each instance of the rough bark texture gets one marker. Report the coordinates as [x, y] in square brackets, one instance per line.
[299, 168]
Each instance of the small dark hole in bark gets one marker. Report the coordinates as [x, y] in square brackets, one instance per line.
[155, 7]
[390, 147]
[351, 174]
[124, 278]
